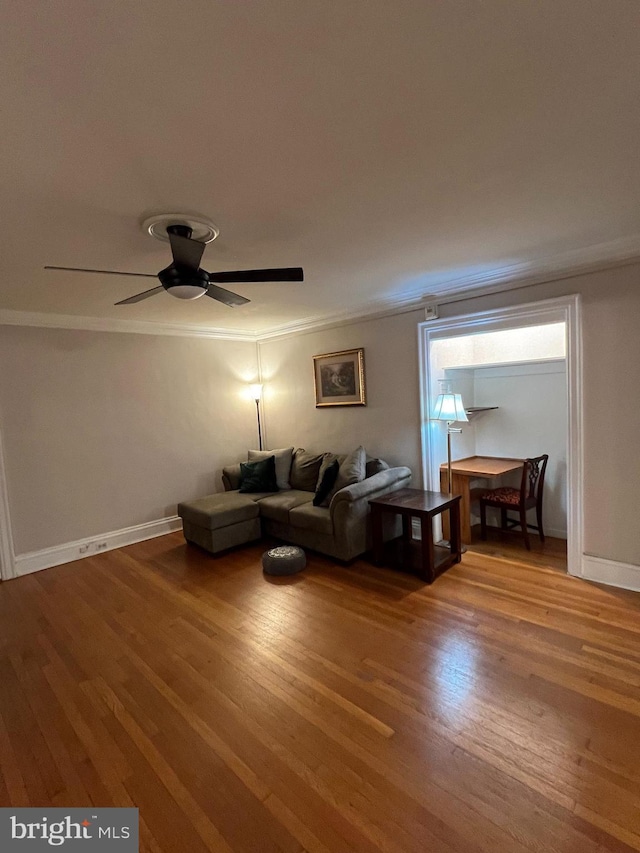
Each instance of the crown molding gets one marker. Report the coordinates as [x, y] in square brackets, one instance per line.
[105, 324]
[370, 311]
[600, 256]
[596, 258]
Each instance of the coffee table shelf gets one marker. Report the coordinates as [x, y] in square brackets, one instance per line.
[406, 555]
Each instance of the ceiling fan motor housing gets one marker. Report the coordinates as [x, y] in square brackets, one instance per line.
[183, 282]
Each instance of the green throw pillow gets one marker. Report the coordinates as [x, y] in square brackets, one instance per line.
[258, 476]
[326, 483]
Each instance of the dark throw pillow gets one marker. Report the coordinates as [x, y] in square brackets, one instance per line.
[326, 483]
[258, 476]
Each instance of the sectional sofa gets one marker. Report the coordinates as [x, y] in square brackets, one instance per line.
[338, 526]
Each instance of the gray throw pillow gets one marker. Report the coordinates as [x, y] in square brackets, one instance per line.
[352, 470]
[305, 469]
[283, 459]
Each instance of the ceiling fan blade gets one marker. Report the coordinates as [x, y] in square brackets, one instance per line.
[140, 296]
[103, 272]
[284, 274]
[226, 296]
[186, 252]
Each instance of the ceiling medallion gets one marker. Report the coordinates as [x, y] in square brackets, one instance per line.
[202, 227]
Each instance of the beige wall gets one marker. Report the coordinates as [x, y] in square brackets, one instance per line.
[103, 431]
[390, 424]
[387, 426]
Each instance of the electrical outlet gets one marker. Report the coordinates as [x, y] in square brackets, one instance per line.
[431, 312]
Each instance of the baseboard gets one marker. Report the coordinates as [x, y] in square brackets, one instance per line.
[553, 532]
[623, 575]
[35, 561]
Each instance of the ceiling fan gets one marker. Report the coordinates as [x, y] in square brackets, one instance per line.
[184, 278]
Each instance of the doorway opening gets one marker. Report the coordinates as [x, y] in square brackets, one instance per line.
[518, 373]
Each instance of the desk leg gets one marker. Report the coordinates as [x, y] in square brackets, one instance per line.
[460, 486]
[428, 555]
[376, 535]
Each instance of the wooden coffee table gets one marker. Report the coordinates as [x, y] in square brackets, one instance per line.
[422, 556]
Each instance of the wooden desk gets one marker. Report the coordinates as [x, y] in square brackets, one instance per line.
[465, 470]
[421, 556]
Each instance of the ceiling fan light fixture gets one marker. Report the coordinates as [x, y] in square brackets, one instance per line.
[184, 283]
[186, 291]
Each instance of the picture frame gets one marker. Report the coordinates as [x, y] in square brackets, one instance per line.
[339, 378]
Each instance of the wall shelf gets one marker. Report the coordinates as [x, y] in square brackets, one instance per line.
[475, 410]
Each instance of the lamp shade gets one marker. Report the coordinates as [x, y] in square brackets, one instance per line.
[256, 391]
[449, 407]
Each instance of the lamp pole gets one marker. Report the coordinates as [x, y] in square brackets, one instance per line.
[260, 429]
[256, 393]
[450, 430]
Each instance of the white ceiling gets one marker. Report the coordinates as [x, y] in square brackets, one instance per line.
[392, 150]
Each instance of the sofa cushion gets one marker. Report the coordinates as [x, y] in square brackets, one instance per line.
[258, 476]
[219, 510]
[283, 458]
[309, 517]
[277, 507]
[231, 477]
[258, 496]
[305, 469]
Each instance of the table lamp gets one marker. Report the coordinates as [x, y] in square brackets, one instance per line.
[450, 408]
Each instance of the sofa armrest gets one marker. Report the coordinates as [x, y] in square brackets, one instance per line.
[231, 477]
[384, 481]
[350, 511]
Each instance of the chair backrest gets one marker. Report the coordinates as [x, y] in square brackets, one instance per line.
[533, 478]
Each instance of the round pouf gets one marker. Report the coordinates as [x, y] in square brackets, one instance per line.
[284, 560]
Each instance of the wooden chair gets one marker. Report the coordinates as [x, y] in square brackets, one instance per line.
[528, 496]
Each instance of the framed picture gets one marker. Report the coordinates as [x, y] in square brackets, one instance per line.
[339, 378]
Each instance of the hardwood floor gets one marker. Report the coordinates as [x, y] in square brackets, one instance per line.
[509, 545]
[342, 709]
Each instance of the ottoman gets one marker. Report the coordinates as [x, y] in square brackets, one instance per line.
[283, 560]
[220, 521]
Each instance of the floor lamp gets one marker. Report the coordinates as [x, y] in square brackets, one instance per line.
[256, 393]
[450, 408]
